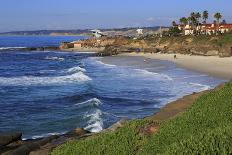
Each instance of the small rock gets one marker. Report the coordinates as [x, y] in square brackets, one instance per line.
[9, 138]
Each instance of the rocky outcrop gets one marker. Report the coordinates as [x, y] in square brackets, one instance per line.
[13, 145]
[9, 138]
[28, 49]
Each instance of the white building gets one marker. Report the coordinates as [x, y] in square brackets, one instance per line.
[140, 31]
[97, 33]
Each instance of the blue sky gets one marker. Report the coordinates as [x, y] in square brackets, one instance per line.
[81, 14]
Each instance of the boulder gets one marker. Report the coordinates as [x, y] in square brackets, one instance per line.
[77, 132]
[24, 149]
[46, 140]
[118, 125]
[225, 51]
[9, 138]
[212, 53]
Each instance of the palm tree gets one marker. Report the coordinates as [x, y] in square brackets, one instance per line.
[193, 18]
[223, 21]
[205, 15]
[174, 23]
[184, 21]
[189, 20]
[218, 16]
[198, 16]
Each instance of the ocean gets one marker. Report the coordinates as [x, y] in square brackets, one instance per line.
[48, 92]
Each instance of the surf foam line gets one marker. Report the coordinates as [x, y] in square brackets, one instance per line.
[76, 69]
[34, 80]
[7, 48]
[54, 58]
[147, 73]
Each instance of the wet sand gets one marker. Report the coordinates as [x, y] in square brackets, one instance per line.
[210, 65]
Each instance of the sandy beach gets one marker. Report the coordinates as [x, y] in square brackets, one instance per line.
[211, 65]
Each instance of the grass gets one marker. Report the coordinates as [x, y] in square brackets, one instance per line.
[225, 39]
[205, 128]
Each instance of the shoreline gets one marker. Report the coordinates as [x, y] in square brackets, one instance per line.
[202, 64]
[170, 110]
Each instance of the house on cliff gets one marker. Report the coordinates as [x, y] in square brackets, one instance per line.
[97, 33]
[208, 29]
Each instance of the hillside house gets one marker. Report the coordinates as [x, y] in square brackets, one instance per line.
[208, 29]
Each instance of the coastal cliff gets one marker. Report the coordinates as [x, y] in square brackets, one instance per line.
[204, 45]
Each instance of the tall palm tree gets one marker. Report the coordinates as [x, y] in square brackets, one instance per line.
[218, 16]
[193, 18]
[198, 16]
[189, 20]
[184, 21]
[174, 23]
[205, 15]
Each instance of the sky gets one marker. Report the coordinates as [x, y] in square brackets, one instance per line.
[18, 15]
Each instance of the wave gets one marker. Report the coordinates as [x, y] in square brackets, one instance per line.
[76, 69]
[97, 60]
[54, 58]
[145, 72]
[94, 116]
[44, 135]
[8, 48]
[202, 87]
[107, 65]
[93, 101]
[33, 80]
[95, 123]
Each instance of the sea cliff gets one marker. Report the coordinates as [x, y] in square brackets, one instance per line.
[204, 45]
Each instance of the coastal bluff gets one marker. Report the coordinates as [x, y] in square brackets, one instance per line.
[203, 45]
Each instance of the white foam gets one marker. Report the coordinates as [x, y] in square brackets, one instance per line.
[34, 80]
[6, 48]
[105, 64]
[147, 73]
[44, 135]
[93, 101]
[202, 87]
[76, 69]
[95, 123]
[54, 58]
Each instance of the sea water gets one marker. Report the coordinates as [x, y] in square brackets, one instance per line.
[49, 92]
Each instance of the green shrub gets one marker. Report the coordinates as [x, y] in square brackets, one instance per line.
[205, 128]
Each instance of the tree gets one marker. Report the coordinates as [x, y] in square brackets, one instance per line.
[218, 16]
[193, 18]
[184, 21]
[198, 16]
[174, 31]
[189, 20]
[223, 21]
[174, 23]
[205, 16]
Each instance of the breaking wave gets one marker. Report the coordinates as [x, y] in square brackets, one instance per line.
[35, 80]
[147, 73]
[76, 69]
[94, 116]
[54, 58]
[95, 123]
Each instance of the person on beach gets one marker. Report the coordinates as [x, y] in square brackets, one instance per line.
[175, 57]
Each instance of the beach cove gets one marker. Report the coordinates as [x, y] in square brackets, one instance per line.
[211, 65]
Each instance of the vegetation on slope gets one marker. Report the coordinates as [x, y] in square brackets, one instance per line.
[205, 128]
